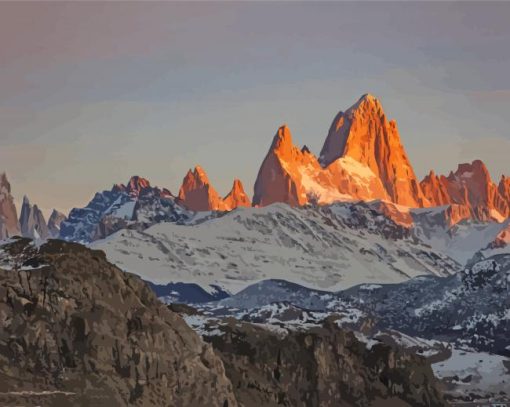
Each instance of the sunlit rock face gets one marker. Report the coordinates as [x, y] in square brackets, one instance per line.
[364, 159]
[470, 186]
[197, 194]
[364, 134]
[236, 197]
[295, 176]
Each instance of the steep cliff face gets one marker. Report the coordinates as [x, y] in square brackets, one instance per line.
[364, 134]
[435, 189]
[362, 159]
[294, 176]
[277, 178]
[470, 186]
[197, 194]
[474, 182]
[9, 225]
[322, 366]
[32, 222]
[78, 331]
[504, 188]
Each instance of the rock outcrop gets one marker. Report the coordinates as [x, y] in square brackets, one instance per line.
[78, 331]
[364, 134]
[504, 188]
[56, 218]
[197, 193]
[9, 224]
[320, 366]
[435, 188]
[32, 222]
[236, 197]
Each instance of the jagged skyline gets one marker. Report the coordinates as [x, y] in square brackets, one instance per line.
[92, 96]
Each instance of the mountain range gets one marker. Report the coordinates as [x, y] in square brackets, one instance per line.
[342, 262]
[355, 214]
[31, 222]
[362, 159]
[78, 331]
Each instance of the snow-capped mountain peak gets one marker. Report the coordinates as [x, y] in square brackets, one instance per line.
[137, 205]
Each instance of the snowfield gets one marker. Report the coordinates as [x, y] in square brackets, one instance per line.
[480, 373]
[330, 247]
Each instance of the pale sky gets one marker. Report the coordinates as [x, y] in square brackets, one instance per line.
[92, 93]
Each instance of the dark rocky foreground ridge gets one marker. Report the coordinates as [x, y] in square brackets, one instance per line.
[323, 366]
[75, 330]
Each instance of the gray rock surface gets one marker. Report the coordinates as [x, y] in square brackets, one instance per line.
[56, 218]
[32, 222]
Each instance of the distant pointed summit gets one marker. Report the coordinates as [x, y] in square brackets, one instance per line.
[362, 158]
[335, 145]
[364, 134]
[32, 222]
[136, 184]
[278, 179]
[504, 188]
[236, 197]
[295, 176]
[197, 194]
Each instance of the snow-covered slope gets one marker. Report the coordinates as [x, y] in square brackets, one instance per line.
[478, 374]
[327, 247]
[471, 308]
[460, 241]
[271, 291]
[186, 293]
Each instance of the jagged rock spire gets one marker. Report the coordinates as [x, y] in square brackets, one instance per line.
[9, 224]
[32, 222]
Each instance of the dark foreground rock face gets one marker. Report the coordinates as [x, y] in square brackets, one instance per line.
[75, 330]
[323, 367]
